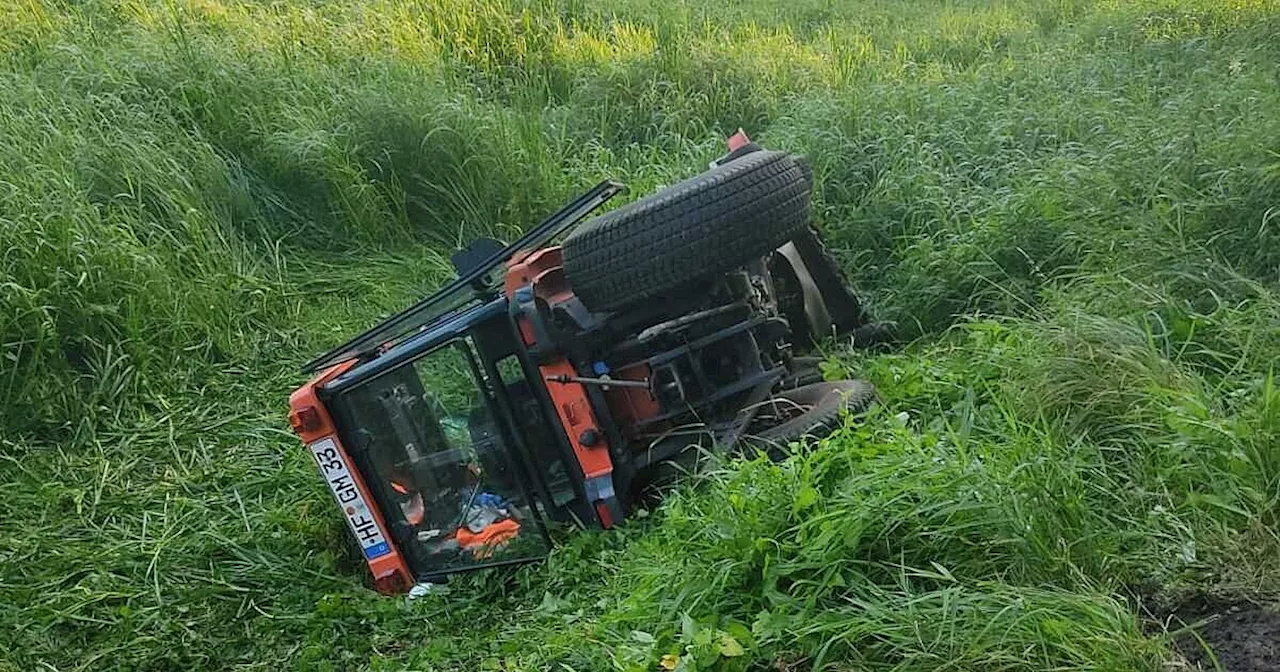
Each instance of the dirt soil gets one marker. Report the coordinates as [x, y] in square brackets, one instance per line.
[1243, 637]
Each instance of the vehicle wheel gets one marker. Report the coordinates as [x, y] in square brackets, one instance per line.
[708, 224]
[814, 410]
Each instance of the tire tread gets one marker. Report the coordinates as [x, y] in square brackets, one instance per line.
[705, 225]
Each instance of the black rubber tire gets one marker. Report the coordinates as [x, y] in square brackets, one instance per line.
[708, 224]
[824, 401]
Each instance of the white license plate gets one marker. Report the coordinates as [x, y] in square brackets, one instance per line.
[359, 517]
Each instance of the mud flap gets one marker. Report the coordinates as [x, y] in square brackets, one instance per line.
[815, 309]
[816, 268]
[605, 501]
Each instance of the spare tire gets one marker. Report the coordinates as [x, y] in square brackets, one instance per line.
[708, 224]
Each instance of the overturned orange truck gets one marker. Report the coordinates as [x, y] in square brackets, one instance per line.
[556, 380]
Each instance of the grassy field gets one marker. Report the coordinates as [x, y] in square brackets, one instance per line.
[1071, 207]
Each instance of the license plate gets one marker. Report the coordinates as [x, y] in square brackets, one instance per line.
[359, 516]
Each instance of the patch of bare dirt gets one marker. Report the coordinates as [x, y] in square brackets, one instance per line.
[1222, 634]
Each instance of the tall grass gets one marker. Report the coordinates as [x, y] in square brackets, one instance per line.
[1071, 205]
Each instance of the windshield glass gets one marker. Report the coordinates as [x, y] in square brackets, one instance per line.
[441, 464]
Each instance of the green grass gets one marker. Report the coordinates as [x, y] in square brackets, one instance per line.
[1071, 206]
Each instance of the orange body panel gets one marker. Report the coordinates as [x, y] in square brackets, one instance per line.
[631, 404]
[312, 423]
[576, 416]
[544, 270]
[527, 268]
